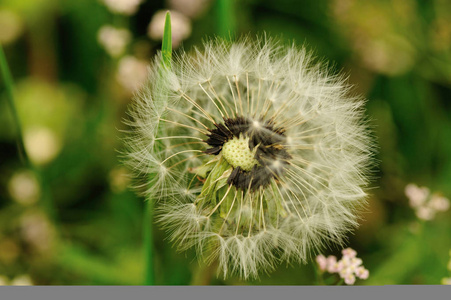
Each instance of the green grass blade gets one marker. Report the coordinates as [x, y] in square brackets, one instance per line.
[9, 85]
[166, 47]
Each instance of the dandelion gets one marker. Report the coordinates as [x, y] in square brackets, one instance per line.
[255, 154]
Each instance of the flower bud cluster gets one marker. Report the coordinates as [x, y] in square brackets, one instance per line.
[425, 204]
[349, 267]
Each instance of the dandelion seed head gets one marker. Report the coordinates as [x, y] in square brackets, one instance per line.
[272, 149]
[237, 153]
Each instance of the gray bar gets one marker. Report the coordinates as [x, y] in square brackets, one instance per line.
[225, 292]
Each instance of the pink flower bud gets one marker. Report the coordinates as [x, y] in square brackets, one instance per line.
[362, 273]
[349, 252]
[349, 279]
[417, 196]
[439, 203]
[322, 262]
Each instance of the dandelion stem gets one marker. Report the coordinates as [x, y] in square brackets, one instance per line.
[148, 242]
[9, 85]
[166, 53]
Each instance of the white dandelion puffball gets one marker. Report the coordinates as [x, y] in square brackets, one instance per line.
[254, 153]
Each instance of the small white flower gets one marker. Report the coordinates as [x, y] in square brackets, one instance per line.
[42, 144]
[425, 205]
[425, 213]
[322, 262]
[417, 196]
[362, 273]
[11, 26]
[439, 203]
[125, 7]
[190, 8]
[181, 27]
[349, 252]
[24, 188]
[349, 279]
[333, 266]
[348, 267]
[114, 40]
[131, 73]
[37, 230]
[270, 147]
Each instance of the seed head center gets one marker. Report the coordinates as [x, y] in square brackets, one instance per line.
[237, 153]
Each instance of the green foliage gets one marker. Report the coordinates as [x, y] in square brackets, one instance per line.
[397, 55]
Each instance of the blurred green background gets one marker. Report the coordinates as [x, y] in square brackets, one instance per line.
[76, 64]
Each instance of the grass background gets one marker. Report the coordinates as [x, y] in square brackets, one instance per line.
[86, 225]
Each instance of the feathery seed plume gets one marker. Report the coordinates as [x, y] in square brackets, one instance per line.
[254, 153]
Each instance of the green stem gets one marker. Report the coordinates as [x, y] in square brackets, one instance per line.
[319, 275]
[225, 14]
[148, 242]
[46, 199]
[9, 85]
[166, 52]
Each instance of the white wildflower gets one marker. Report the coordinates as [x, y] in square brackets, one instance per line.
[322, 262]
[42, 144]
[348, 267]
[180, 25]
[11, 26]
[425, 204]
[190, 8]
[37, 230]
[125, 7]
[24, 188]
[439, 203]
[131, 73]
[256, 153]
[417, 196]
[114, 40]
